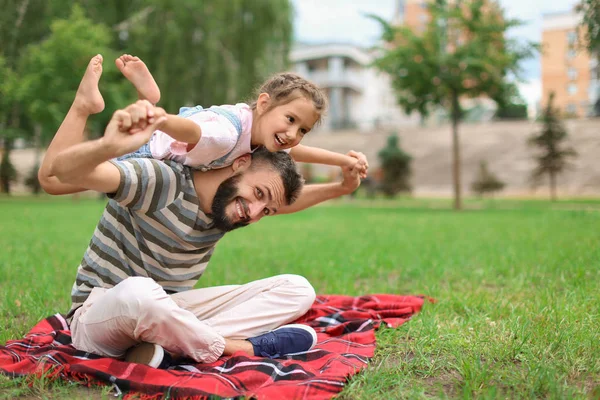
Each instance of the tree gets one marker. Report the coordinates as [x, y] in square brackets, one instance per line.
[590, 25]
[395, 164]
[553, 156]
[590, 32]
[462, 53]
[486, 181]
[51, 72]
[209, 52]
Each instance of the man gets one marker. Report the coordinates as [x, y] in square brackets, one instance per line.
[157, 234]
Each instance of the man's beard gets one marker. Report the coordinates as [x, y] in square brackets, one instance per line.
[226, 193]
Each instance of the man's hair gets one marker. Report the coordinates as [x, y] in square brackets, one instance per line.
[280, 162]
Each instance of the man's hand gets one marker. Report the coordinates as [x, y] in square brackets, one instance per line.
[132, 127]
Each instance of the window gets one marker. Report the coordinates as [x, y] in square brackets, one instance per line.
[424, 17]
[571, 108]
[572, 73]
[571, 54]
[572, 88]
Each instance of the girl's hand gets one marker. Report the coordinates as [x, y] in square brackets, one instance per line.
[360, 163]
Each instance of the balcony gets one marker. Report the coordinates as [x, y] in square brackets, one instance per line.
[347, 79]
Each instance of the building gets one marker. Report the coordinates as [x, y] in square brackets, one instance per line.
[567, 70]
[413, 13]
[360, 97]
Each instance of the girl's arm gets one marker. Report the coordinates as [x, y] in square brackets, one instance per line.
[182, 129]
[314, 155]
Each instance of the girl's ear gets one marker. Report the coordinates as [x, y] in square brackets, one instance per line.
[262, 104]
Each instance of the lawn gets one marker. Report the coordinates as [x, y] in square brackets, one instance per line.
[516, 284]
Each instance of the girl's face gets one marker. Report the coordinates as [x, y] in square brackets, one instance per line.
[284, 126]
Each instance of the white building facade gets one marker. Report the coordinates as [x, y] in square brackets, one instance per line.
[360, 97]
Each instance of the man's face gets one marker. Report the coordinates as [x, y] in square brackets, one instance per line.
[246, 197]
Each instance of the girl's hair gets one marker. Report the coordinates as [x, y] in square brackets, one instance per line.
[285, 87]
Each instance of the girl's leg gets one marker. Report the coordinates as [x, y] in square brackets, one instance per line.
[138, 74]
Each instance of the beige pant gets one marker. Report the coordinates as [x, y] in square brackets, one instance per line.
[194, 323]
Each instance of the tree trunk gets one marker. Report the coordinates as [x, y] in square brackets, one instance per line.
[37, 143]
[552, 186]
[455, 116]
[6, 168]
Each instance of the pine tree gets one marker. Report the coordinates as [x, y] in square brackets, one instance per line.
[553, 156]
[486, 181]
[395, 164]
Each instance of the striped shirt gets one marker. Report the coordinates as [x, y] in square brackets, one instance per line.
[153, 227]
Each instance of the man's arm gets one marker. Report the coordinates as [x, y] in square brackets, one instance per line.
[315, 155]
[86, 164]
[317, 193]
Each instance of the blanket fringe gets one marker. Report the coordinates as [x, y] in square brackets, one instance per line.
[159, 396]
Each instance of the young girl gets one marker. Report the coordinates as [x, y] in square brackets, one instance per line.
[287, 107]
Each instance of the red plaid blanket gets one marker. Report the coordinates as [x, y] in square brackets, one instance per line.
[346, 340]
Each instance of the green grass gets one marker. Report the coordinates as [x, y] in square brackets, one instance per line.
[516, 283]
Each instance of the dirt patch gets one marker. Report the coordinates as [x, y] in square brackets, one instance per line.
[447, 382]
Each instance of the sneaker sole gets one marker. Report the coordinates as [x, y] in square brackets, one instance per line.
[304, 328]
[149, 354]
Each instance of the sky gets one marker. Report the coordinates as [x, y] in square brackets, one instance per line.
[344, 21]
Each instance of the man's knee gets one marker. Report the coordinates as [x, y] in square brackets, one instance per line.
[137, 290]
[303, 290]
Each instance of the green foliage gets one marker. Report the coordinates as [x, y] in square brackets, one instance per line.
[7, 89]
[511, 104]
[512, 111]
[590, 25]
[589, 30]
[51, 70]
[209, 52]
[200, 53]
[395, 164]
[553, 157]
[485, 181]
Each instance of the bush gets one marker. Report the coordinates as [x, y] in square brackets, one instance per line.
[32, 181]
[395, 164]
[486, 181]
[8, 173]
[512, 111]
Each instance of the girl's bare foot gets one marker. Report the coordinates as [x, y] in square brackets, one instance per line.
[88, 98]
[137, 73]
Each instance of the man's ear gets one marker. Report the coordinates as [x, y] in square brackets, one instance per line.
[242, 163]
[262, 104]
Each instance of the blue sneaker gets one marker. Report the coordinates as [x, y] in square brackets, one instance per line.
[283, 341]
